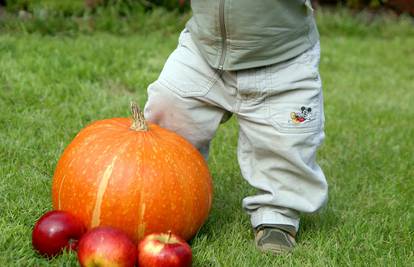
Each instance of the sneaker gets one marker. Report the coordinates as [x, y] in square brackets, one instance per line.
[277, 239]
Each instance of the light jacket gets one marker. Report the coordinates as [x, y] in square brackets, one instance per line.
[241, 34]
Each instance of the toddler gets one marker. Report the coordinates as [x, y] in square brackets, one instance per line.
[258, 61]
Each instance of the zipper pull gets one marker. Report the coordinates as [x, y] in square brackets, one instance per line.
[308, 4]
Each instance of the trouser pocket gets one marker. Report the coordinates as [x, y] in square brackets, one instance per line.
[294, 94]
[186, 72]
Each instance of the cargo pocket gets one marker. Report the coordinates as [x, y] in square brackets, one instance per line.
[186, 72]
[298, 109]
[295, 117]
[294, 94]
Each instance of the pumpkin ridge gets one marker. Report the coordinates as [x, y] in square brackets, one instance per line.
[103, 184]
[141, 212]
[60, 190]
[176, 141]
[152, 144]
[141, 223]
[104, 181]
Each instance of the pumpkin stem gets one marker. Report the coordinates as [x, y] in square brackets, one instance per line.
[138, 123]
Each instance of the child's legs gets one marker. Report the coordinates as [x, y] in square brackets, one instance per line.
[276, 153]
[278, 139]
[282, 167]
[176, 101]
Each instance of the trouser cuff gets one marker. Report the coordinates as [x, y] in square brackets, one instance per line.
[268, 217]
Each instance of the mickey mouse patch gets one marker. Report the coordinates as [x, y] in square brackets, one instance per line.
[305, 114]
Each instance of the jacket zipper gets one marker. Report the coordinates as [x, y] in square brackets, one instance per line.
[223, 35]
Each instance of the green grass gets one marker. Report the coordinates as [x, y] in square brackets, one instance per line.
[53, 85]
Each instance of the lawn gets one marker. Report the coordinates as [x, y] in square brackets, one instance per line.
[52, 85]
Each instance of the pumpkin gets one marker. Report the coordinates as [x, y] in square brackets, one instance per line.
[135, 176]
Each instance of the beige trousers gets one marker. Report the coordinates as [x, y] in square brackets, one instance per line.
[279, 109]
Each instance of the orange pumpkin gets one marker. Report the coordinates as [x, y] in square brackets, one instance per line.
[134, 176]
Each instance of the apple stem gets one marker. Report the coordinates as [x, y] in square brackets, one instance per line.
[169, 236]
[73, 244]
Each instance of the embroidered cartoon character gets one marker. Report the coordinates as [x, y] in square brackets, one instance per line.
[305, 114]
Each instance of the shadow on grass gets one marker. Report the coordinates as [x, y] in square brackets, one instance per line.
[321, 223]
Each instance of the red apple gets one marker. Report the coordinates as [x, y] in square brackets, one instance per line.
[166, 250]
[56, 230]
[106, 246]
